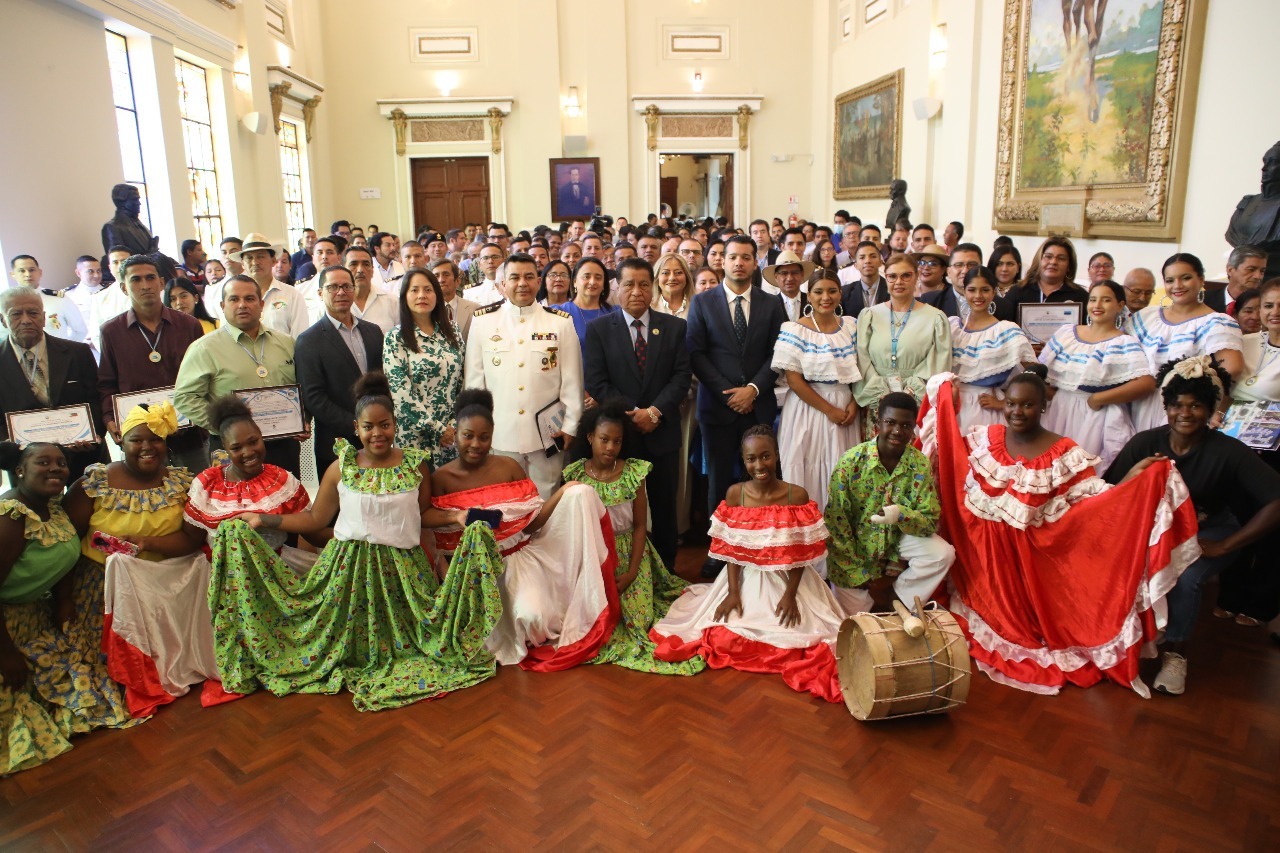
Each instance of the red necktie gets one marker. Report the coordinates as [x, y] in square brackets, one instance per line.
[642, 348]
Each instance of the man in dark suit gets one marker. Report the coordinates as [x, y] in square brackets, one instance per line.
[732, 329]
[766, 252]
[329, 358]
[950, 300]
[640, 356]
[38, 371]
[784, 278]
[575, 198]
[870, 287]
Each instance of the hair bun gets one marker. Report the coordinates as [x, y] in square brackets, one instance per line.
[372, 384]
[479, 397]
[1037, 370]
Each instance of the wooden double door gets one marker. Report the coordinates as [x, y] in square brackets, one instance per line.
[449, 192]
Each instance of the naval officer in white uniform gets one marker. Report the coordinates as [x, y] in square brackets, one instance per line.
[528, 356]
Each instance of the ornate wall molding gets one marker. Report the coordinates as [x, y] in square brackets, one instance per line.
[446, 130]
[676, 116]
[283, 83]
[697, 126]
[457, 115]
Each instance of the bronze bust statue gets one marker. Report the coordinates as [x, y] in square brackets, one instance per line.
[1256, 221]
[898, 207]
[125, 228]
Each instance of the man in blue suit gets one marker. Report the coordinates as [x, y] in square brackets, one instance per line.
[639, 356]
[732, 330]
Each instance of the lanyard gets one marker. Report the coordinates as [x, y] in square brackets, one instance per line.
[895, 332]
[155, 356]
[260, 358]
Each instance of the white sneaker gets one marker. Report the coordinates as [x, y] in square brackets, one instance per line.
[1173, 675]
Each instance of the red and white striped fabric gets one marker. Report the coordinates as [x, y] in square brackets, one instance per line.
[519, 502]
[768, 538]
[158, 632]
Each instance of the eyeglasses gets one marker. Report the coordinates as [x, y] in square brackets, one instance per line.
[1141, 294]
[965, 265]
[340, 288]
[559, 275]
[928, 263]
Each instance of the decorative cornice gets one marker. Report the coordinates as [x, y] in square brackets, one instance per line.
[445, 107]
[167, 19]
[668, 104]
[300, 88]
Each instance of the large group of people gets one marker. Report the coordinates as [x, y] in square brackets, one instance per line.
[506, 438]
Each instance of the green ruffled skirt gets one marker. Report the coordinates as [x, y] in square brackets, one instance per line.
[370, 618]
[68, 691]
[645, 602]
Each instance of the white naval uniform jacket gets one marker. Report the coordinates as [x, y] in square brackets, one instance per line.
[527, 358]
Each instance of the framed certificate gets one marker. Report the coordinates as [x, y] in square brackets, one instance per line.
[277, 410]
[124, 403]
[67, 425]
[1041, 319]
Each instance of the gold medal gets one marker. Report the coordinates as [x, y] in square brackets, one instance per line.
[154, 358]
[261, 371]
[496, 361]
[1252, 380]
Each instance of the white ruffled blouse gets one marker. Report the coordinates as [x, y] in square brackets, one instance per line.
[994, 351]
[817, 356]
[1076, 365]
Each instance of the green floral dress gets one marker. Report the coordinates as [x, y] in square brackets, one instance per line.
[650, 595]
[424, 386]
[369, 615]
[68, 691]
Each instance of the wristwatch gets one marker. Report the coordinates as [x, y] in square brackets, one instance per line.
[653, 414]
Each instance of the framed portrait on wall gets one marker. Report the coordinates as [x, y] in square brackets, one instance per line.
[575, 187]
[868, 138]
[1096, 104]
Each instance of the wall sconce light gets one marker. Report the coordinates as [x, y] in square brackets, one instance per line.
[572, 106]
[938, 47]
[446, 82]
[240, 69]
[697, 81]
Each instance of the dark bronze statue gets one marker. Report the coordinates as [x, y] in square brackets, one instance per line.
[1256, 221]
[898, 207]
[125, 228]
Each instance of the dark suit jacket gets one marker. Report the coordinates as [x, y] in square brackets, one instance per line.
[804, 303]
[720, 363]
[944, 300]
[1215, 296]
[851, 297]
[610, 370]
[73, 379]
[326, 370]
[567, 205]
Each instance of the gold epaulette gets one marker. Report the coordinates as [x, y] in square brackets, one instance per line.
[557, 312]
[490, 308]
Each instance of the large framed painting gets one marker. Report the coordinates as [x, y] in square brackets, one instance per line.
[868, 138]
[1096, 103]
[575, 187]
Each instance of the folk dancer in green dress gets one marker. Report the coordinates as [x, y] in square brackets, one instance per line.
[55, 676]
[423, 360]
[882, 513]
[370, 615]
[645, 587]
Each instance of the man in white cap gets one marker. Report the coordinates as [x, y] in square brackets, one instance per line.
[788, 278]
[284, 308]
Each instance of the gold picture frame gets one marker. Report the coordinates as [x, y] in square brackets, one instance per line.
[1113, 148]
[862, 167]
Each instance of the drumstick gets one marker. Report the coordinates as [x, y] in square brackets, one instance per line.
[911, 624]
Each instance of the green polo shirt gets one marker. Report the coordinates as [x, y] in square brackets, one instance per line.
[218, 364]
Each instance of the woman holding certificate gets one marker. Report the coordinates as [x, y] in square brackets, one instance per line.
[146, 572]
[370, 615]
[55, 681]
[1185, 327]
[901, 343]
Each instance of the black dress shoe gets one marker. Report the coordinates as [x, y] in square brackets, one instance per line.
[711, 568]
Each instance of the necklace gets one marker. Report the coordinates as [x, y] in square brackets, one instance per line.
[895, 332]
[1269, 354]
[155, 356]
[598, 475]
[260, 358]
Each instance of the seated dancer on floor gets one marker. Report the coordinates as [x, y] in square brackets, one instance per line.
[645, 588]
[55, 678]
[246, 483]
[882, 514]
[157, 637]
[1058, 577]
[1236, 495]
[769, 611]
[369, 615]
[554, 560]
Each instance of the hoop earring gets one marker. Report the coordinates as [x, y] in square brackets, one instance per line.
[808, 310]
[1120, 321]
[839, 309]
[991, 308]
[1200, 296]
[1088, 321]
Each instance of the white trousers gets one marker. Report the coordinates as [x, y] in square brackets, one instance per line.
[543, 470]
[928, 559]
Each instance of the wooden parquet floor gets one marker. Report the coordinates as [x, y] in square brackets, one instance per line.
[606, 759]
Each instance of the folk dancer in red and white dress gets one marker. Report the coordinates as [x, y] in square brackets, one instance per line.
[769, 611]
[1059, 578]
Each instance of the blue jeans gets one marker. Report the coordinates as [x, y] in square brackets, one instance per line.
[1184, 598]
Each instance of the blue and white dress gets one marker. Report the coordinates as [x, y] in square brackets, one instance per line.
[1077, 369]
[1163, 341]
[810, 443]
[983, 361]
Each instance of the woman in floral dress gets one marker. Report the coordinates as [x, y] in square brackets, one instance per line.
[422, 358]
[55, 678]
[645, 587]
[370, 615]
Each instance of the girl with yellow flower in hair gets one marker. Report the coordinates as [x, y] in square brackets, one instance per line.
[159, 638]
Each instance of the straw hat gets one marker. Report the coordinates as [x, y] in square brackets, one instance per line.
[255, 242]
[788, 258]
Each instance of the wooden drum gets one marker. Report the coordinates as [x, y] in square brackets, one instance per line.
[885, 673]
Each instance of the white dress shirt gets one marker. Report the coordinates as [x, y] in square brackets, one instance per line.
[746, 302]
[484, 293]
[379, 309]
[284, 309]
